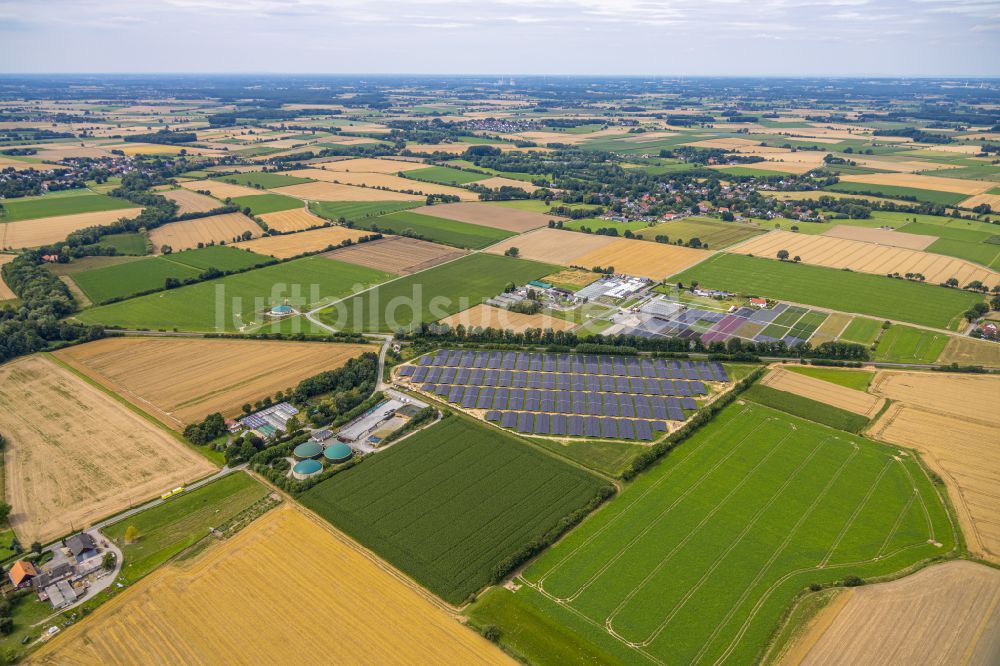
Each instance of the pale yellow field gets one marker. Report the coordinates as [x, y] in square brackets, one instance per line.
[831, 328]
[968, 351]
[890, 163]
[183, 380]
[572, 276]
[939, 183]
[823, 250]
[881, 237]
[332, 604]
[382, 180]
[497, 182]
[187, 234]
[797, 168]
[554, 246]
[74, 454]
[724, 144]
[45, 230]
[290, 245]
[489, 215]
[5, 291]
[335, 192]
[945, 614]
[189, 201]
[220, 190]
[372, 165]
[842, 397]
[296, 219]
[953, 420]
[992, 199]
[17, 165]
[397, 254]
[487, 316]
[643, 259]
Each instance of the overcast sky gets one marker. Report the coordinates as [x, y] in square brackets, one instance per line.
[689, 37]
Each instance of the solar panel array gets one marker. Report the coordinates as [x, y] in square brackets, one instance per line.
[611, 397]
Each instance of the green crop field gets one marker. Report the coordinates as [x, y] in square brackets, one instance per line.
[697, 560]
[451, 502]
[855, 379]
[897, 191]
[905, 344]
[445, 175]
[133, 244]
[439, 230]
[49, 206]
[862, 330]
[640, 227]
[979, 172]
[358, 211]
[432, 294]
[806, 408]
[222, 257]
[261, 179]
[715, 233]
[261, 204]
[873, 295]
[963, 242]
[750, 171]
[167, 529]
[237, 302]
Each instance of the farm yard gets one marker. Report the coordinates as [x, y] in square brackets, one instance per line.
[287, 246]
[180, 381]
[205, 230]
[453, 503]
[396, 254]
[43, 230]
[648, 579]
[163, 617]
[74, 454]
[487, 316]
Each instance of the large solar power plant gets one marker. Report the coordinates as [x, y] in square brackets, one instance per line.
[610, 397]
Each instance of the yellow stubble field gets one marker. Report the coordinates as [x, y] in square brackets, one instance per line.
[215, 228]
[189, 201]
[487, 316]
[643, 259]
[553, 245]
[323, 191]
[382, 180]
[939, 183]
[5, 291]
[291, 245]
[45, 230]
[835, 395]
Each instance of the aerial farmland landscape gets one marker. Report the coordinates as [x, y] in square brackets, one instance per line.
[582, 332]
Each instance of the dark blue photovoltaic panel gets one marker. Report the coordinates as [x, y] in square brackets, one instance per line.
[593, 383]
[419, 373]
[610, 405]
[619, 367]
[698, 388]
[519, 380]
[500, 399]
[688, 403]
[503, 379]
[490, 378]
[525, 422]
[578, 382]
[508, 361]
[550, 364]
[667, 387]
[675, 371]
[633, 368]
[482, 358]
[625, 428]
[675, 414]
[720, 372]
[690, 370]
[648, 369]
[594, 404]
[509, 419]
[433, 374]
[443, 389]
[606, 366]
[493, 415]
[448, 375]
[564, 363]
[470, 396]
[426, 360]
[547, 405]
[522, 361]
[574, 425]
[609, 428]
[542, 424]
[476, 377]
[683, 388]
[659, 411]
[548, 381]
[659, 426]
[441, 357]
[642, 430]
[652, 387]
[462, 376]
[592, 426]
[535, 363]
[642, 409]
[626, 407]
[455, 395]
[516, 399]
[467, 359]
[429, 388]
[557, 424]
[635, 385]
[485, 400]
[532, 404]
[406, 371]
[454, 358]
[607, 384]
[621, 385]
[496, 358]
[534, 380]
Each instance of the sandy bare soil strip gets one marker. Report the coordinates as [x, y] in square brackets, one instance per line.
[953, 420]
[382, 180]
[553, 246]
[939, 183]
[334, 192]
[835, 395]
[296, 219]
[74, 454]
[208, 610]
[181, 381]
[643, 259]
[881, 237]
[216, 228]
[944, 614]
[487, 316]
[220, 190]
[189, 201]
[291, 245]
[969, 351]
[45, 230]
[824, 250]
[489, 215]
[5, 291]
[497, 182]
[396, 254]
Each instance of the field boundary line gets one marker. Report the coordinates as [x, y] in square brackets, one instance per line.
[857, 511]
[896, 524]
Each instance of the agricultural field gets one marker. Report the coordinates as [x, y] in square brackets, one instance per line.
[373, 165]
[45, 230]
[286, 246]
[862, 330]
[907, 240]
[895, 191]
[30, 208]
[969, 351]
[74, 454]
[952, 420]
[714, 234]
[852, 378]
[324, 191]
[554, 246]
[432, 294]
[872, 295]
[944, 614]
[838, 393]
[182, 380]
[205, 230]
[396, 254]
[357, 211]
[240, 304]
[218, 189]
[437, 229]
[830, 329]
[487, 316]
[445, 175]
[262, 204]
[496, 217]
[905, 344]
[133, 244]
[189, 201]
[372, 181]
[5, 291]
[452, 502]
[295, 219]
[163, 618]
[263, 180]
[806, 408]
[697, 559]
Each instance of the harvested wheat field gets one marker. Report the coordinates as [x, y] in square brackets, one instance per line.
[939, 183]
[497, 182]
[881, 237]
[952, 419]
[5, 291]
[382, 180]
[397, 254]
[489, 215]
[213, 229]
[210, 610]
[487, 316]
[220, 190]
[823, 250]
[835, 395]
[296, 219]
[644, 259]
[992, 199]
[189, 201]
[18, 165]
[944, 614]
[182, 380]
[969, 351]
[335, 192]
[45, 230]
[572, 277]
[366, 165]
[553, 246]
[292, 245]
[75, 454]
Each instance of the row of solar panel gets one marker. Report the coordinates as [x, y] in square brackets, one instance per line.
[560, 382]
[622, 366]
[596, 404]
[577, 426]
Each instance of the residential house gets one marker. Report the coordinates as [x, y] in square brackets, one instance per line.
[22, 573]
